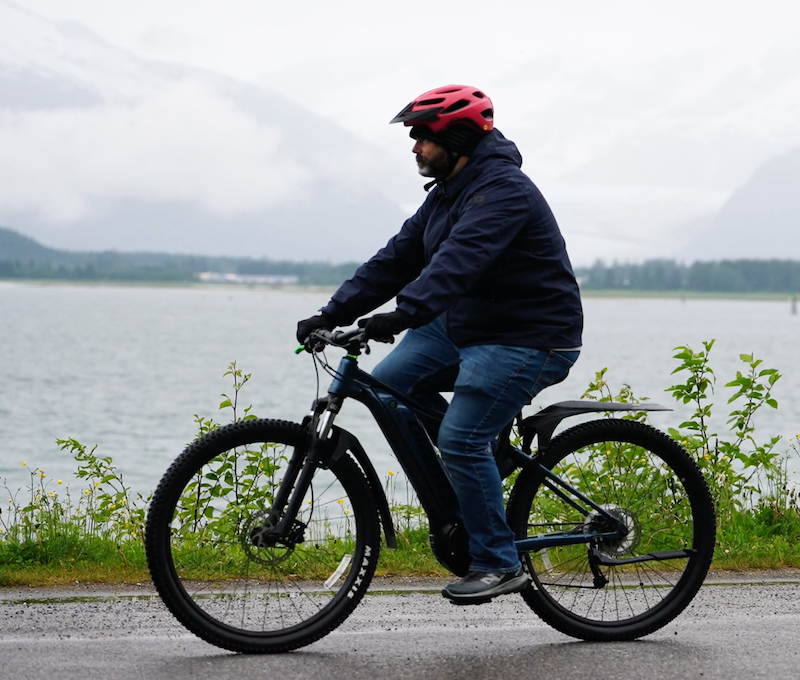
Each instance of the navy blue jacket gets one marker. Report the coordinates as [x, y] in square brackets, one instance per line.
[485, 250]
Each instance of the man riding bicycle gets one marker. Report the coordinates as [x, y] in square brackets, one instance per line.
[486, 291]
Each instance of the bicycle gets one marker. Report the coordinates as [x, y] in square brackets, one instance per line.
[614, 522]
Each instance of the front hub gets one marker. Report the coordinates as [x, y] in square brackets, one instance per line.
[263, 544]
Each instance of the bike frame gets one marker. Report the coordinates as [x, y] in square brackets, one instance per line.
[396, 415]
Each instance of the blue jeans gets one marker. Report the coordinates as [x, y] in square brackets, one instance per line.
[490, 385]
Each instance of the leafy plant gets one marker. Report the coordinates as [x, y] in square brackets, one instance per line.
[739, 469]
[757, 503]
[599, 390]
[109, 508]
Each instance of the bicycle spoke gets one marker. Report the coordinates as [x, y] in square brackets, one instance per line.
[622, 578]
[221, 564]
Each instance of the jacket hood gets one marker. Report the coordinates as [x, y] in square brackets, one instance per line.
[495, 145]
[493, 148]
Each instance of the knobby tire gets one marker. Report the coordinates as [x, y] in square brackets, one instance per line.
[258, 599]
[642, 477]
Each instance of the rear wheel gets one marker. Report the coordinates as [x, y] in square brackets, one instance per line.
[217, 561]
[628, 586]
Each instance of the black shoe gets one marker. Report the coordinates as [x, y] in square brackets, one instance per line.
[478, 587]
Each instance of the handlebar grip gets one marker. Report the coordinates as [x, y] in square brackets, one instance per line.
[338, 338]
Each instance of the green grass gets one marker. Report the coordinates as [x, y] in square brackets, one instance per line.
[764, 538]
[49, 537]
[70, 560]
[103, 561]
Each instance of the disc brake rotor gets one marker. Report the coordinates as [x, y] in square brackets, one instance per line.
[263, 544]
[614, 546]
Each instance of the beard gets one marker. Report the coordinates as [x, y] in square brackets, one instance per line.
[438, 166]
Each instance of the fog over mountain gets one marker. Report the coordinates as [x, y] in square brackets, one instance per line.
[655, 156]
[760, 220]
[103, 150]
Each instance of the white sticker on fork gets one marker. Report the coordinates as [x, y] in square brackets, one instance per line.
[337, 574]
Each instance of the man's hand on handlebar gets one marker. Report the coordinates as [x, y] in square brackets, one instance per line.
[383, 327]
[308, 326]
[379, 327]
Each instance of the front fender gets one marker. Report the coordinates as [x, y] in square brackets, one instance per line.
[344, 442]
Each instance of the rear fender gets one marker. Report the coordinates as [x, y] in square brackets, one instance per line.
[546, 421]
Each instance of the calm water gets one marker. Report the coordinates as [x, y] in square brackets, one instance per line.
[125, 368]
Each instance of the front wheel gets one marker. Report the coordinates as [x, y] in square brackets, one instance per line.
[627, 586]
[220, 566]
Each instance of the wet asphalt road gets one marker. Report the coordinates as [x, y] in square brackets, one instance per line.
[731, 631]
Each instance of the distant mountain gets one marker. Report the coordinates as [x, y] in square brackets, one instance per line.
[760, 220]
[24, 258]
[654, 142]
[15, 246]
[103, 150]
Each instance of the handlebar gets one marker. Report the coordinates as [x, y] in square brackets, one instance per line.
[353, 340]
[342, 338]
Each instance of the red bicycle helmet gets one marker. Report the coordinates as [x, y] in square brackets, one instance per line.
[442, 107]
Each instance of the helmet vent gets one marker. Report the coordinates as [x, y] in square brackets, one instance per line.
[430, 102]
[455, 106]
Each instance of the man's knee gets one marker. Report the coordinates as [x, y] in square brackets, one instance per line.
[459, 442]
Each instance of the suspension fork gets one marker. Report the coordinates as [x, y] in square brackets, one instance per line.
[303, 464]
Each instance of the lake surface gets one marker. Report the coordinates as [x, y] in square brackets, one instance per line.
[127, 367]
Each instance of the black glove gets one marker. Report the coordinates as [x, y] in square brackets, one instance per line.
[308, 326]
[383, 327]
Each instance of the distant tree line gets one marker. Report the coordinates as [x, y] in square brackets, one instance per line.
[22, 257]
[725, 276]
[178, 269]
[91, 272]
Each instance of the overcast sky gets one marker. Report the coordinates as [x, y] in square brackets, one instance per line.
[365, 58]
[623, 92]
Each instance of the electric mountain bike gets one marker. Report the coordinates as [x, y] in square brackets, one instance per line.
[614, 522]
